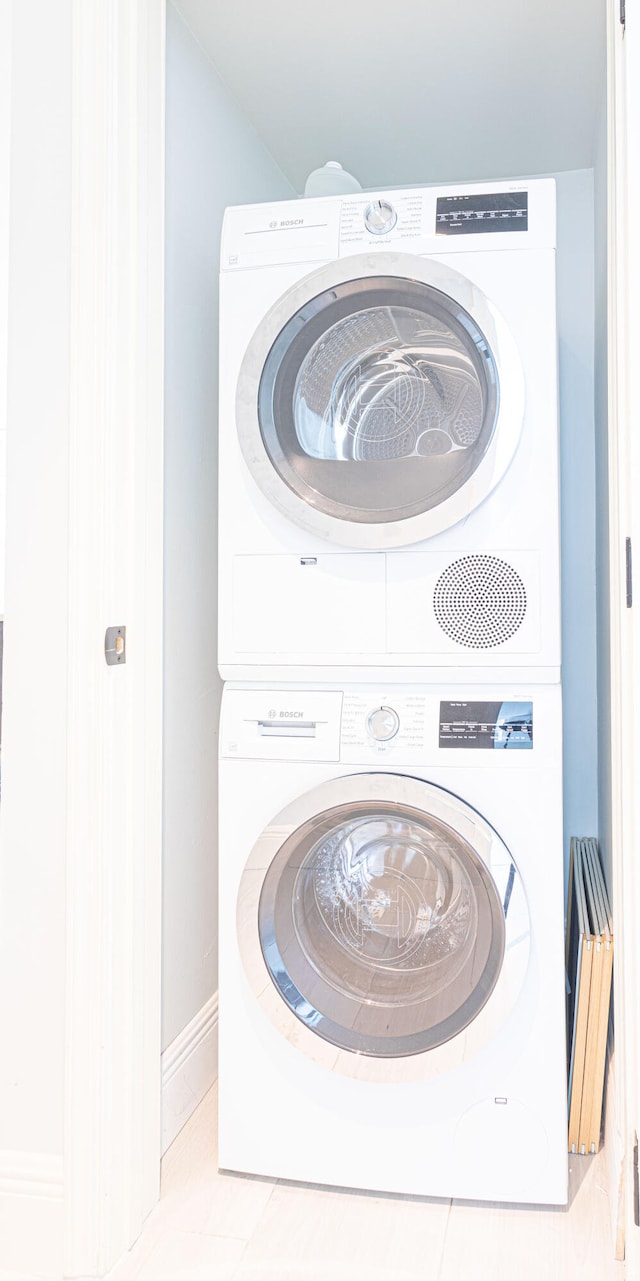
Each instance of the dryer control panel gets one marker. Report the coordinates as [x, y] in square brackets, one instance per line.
[421, 220]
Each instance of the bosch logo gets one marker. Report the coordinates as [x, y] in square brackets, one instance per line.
[292, 222]
[273, 224]
[290, 716]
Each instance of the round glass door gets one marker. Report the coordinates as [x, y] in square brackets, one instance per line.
[378, 399]
[382, 925]
[377, 403]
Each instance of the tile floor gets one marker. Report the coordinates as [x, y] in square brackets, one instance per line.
[214, 1227]
[224, 1227]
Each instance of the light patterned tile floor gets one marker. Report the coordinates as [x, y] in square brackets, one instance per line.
[224, 1227]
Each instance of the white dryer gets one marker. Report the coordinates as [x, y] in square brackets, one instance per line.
[391, 939]
[388, 435]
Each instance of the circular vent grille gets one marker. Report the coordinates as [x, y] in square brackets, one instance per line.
[479, 601]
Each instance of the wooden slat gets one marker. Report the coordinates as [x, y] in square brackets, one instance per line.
[578, 1055]
[597, 1029]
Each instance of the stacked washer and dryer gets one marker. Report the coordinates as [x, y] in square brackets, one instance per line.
[391, 861]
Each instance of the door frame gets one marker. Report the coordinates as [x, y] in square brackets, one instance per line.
[112, 1122]
[623, 184]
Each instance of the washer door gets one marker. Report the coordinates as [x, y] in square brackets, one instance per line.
[380, 400]
[391, 921]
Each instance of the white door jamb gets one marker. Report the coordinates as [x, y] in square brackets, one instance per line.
[112, 1072]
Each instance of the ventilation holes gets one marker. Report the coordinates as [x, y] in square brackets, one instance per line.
[479, 601]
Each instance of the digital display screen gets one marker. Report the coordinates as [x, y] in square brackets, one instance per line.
[477, 214]
[491, 726]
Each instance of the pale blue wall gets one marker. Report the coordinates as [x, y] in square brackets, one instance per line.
[602, 489]
[213, 159]
[577, 486]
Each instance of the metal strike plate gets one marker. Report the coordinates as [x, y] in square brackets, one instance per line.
[115, 645]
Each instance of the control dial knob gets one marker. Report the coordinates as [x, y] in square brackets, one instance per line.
[383, 723]
[380, 217]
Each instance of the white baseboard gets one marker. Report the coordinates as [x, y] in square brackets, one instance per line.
[189, 1069]
[31, 1213]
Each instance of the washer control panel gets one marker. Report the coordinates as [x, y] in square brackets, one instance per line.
[394, 726]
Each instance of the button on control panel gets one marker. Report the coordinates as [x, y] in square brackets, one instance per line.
[380, 217]
[383, 723]
[367, 222]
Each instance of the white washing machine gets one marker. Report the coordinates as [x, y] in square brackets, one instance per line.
[391, 939]
[388, 435]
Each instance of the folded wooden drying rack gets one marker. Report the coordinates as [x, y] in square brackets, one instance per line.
[589, 957]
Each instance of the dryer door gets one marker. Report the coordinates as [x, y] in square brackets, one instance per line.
[380, 400]
[391, 921]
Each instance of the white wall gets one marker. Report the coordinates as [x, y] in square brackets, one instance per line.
[34, 725]
[33, 812]
[5, 147]
[213, 159]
